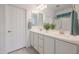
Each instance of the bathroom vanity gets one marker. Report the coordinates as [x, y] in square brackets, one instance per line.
[52, 42]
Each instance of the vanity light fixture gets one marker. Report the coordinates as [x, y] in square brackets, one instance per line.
[39, 8]
[35, 11]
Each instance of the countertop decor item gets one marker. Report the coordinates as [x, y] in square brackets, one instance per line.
[61, 31]
[46, 26]
[52, 26]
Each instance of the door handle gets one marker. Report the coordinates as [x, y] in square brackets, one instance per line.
[9, 31]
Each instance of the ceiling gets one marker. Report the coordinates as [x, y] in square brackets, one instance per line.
[52, 6]
[60, 6]
[26, 6]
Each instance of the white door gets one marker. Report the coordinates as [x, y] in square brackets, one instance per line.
[16, 28]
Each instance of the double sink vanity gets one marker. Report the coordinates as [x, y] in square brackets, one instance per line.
[52, 42]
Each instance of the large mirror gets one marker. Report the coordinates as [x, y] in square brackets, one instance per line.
[51, 13]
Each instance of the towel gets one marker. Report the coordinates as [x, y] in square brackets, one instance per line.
[75, 26]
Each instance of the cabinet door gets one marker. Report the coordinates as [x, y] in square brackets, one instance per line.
[36, 41]
[31, 38]
[65, 48]
[41, 43]
[48, 45]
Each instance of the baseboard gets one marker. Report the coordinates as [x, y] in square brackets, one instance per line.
[16, 50]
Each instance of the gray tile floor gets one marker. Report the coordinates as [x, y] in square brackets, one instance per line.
[25, 51]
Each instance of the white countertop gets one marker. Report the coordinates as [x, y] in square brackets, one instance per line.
[55, 34]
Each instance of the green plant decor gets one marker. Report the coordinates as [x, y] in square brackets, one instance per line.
[46, 26]
[52, 26]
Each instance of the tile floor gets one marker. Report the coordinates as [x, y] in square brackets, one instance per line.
[25, 51]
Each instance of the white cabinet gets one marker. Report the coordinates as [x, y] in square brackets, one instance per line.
[31, 38]
[36, 46]
[65, 48]
[41, 44]
[48, 45]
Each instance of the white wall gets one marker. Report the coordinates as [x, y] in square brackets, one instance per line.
[28, 18]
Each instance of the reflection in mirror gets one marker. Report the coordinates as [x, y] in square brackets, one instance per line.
[37, 15]
[37, 19]
[34, 19]
[49, 15]
[63, 17]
